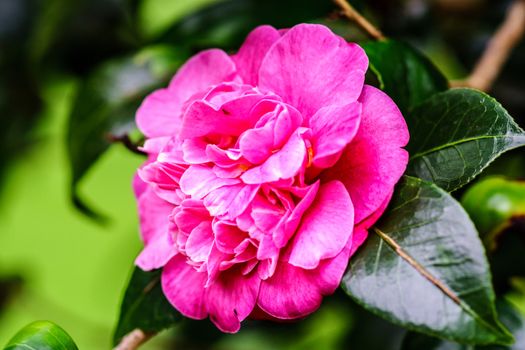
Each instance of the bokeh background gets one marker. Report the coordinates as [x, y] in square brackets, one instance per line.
[60, 264]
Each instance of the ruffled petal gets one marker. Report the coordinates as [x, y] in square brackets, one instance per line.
[231, 298]
[325, 228]
[310, 67]
[374, 161]
[248, 59]
[293, 292]
[183, 286]
[333, 128]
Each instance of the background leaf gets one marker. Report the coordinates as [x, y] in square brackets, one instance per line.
[425, 269]
[144, 306]
[41, 335]
[404, 74]
[106, 103]
[456, 134]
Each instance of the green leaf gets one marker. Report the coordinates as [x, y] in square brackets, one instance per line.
[493, 202]
[456, 134]
[106, 103]
[511, 317]
[226, 23]
[423, 267]
[41, 335]
[144, 306]
[404, 74]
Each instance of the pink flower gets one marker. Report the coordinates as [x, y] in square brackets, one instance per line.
[265, 170]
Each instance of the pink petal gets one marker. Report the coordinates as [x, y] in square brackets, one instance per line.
[250, 55]
[310, 67]
[199, 180]
[258, 144]
[293, 292]
[205, 69]
[325, 227]
[200, 241]
[183, 286]
[232, 118]
[333, 128]
[232, 298]
[374, 161]
[195, 151]
[361, 231]
[283, 164]
[230, 201]
[159, 114]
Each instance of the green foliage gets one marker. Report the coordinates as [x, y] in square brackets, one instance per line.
[144, 306]
[511, 317]
[424, 267]
[456, 134]
[106, 105]
[404, 74]
[41, 335]
[493, 202]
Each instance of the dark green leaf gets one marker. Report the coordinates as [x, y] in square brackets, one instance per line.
[226, 23]
[144, 306]
[404, 74]
[510, 317]
[41, 335]
[423, 267]
[106, 104]
[456, 134]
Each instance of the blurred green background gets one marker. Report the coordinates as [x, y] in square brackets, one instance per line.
[57, 263]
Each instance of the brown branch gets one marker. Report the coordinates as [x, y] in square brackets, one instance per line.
[126, 142]
[133, 340]
[498, 49]
[349, 12]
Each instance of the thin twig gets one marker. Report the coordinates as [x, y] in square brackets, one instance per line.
[498, 49]
[126, 142]
[349, 12]
[133, 340]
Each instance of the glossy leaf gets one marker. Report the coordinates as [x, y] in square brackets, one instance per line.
[106, 103]
[423, 267]
[511, 317]
[404, 74]
[456, 134]
[41, 335]
[144, 306]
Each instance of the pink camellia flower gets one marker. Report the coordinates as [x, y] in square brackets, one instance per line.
[265, 170]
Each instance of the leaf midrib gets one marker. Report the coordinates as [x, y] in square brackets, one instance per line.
[396, 247]
[451, 144]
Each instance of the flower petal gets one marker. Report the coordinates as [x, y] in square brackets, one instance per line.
[293, 292]
[310, 67]
[283, 164]
[374, 161]
[325, 228]
[248, 59]
[199, 180]
[231, 298]
[183, 286]
[333, 128]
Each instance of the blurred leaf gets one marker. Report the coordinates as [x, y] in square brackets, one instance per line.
[144, 306]
[492, 202]
[227, 23]
[106, 104]
[156, 16]
[510, 317]
[404, 74]
[424, 268]
[456, 134]
[41, 335]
